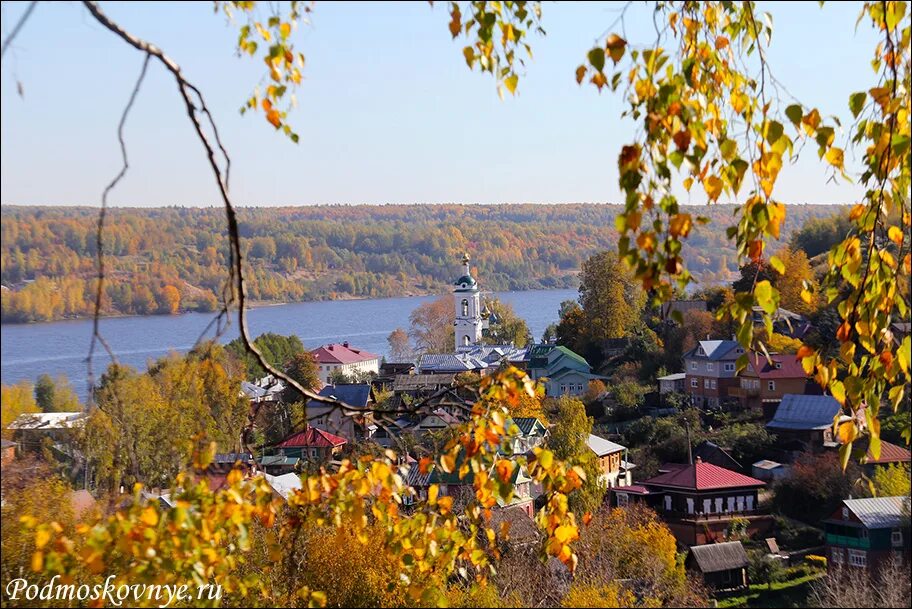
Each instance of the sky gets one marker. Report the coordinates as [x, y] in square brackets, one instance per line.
[388, 111]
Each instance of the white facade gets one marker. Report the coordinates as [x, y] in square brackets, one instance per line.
[467, 300]
[326, 370]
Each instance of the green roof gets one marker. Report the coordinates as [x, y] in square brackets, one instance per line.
[572, 355]
[465, 279]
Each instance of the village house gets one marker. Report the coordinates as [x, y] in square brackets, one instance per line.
[311, 444]
[614, 469]
[866, 533]
[710, 370]
[804, 423]
[785, 322]
[890, 454]
[462, 489]
[353, 424]
[344, 358]
[700, 502]
[671, 383]
[765, 381]
[532, 433]
[562, 371]
[723, 566]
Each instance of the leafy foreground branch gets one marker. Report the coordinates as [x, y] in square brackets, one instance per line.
[211, 537]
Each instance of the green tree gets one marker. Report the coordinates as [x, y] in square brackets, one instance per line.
[303, 368]
[568, 441]
[610, 297]
[508, 327]
[55, 396]
[277, 350]
[892, 480]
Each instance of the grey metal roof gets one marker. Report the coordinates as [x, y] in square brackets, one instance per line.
[880, 512]
[720, 556]
[805, 412]
[677, 376]
[714, 349]
[526, 424]
[356, 394]
[602, 447]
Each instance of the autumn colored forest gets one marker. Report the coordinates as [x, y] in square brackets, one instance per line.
[169, 260]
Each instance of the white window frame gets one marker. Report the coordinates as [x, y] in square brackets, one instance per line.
[896, 538]
[729, 367]
[771, 385]
[693, 365]
[623, 499]
[709, 366]
[695, 383]
[858, 558]
[712, 383]
[705, 383]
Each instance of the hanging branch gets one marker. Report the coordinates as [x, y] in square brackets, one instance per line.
[99, 241]
[21, 22]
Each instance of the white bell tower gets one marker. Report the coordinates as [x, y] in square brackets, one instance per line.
[468, 309]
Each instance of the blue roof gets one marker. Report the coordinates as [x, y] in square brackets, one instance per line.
[805, 412]
[356, 395]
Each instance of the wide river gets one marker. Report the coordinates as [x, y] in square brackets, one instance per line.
[29, 350]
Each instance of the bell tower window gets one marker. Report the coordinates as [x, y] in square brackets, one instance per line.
[466, 340]
[465, 307]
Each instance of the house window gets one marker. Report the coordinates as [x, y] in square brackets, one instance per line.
[465, 340]
[465, 307]
[845, 513]
[667, 503]
[690, 505]
[712, 383]
[706, 383]
[694, 383]
[693, 365]
[563, 389]
[313, 452]
[729, 367]
[771, 385]
[858, 558]
[718, 505]
[731, 504]
[836, 555]
[896, 538]
[623, 499]
[701, 351]
[707, 506]
[709, 366]
[740, 504]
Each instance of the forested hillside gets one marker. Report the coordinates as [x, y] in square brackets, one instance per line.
[168, 260]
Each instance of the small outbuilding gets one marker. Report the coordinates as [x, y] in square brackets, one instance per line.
[722, 565]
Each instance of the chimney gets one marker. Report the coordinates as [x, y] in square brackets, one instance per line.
[699, 459]
[345, 344]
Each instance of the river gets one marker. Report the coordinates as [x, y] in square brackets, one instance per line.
[29, 350]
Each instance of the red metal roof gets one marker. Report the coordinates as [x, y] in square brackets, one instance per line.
[783, 366]
[312, 438]
[335, 353]
[890, 453]
[703, 476]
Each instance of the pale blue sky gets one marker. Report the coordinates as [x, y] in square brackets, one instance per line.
[388, 112]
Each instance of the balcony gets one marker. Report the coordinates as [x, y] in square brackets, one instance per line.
[743, 392]
[848, 542]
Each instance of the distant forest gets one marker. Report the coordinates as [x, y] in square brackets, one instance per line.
[170, 260]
